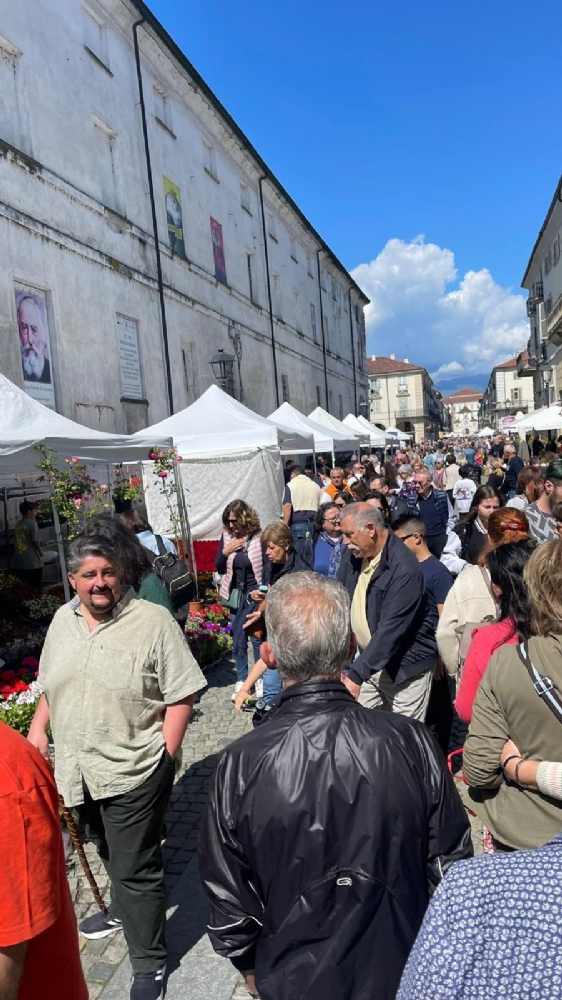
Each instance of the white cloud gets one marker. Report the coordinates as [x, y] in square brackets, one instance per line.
[415, 314]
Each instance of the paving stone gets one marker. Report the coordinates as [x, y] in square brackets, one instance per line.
[101, 972]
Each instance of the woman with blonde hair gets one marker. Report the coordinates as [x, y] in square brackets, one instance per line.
[240, 561]
[520, 700]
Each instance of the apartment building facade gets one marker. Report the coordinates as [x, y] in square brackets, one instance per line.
[507, 395]
[541, 363]
[402, 394]
[463, 407]
[141, 233]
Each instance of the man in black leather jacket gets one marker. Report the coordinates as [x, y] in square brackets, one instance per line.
[329, 826]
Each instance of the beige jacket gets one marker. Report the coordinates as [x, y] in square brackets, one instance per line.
[507, 705]
[468, 600]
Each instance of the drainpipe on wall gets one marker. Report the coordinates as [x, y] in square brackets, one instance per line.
[353, 358]
[268, 279]
[159, 279]
[318, 252]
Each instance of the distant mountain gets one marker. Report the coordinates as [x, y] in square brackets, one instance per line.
[448, 385]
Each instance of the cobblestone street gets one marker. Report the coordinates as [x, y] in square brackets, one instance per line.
[194, 969]
[214, 725]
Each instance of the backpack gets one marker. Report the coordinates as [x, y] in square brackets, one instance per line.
[174, 573]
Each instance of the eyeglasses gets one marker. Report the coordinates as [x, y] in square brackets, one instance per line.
[332, 520]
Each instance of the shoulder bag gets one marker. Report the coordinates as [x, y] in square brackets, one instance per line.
[173, 573]
[542, 685]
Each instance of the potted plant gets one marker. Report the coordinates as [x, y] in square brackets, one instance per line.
[125, 490]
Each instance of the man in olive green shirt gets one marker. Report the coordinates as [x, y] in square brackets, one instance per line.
[119, 683]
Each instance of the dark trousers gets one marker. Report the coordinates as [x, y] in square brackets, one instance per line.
[128, 832]
[436, 544]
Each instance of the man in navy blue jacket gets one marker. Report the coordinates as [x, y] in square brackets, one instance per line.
[390, 617]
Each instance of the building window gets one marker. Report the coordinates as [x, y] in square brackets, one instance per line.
[334, 290]
[95, 37]
[293, 250]
[251, 278]
[210, 161]
[309, 266]
[277, 304]
[162, 108]
[272, 227]
[356, 312]
[376, 385]
[516, 395]
[298, 324]
[285, 388]
[327, 328]
[556, 251]
[313, 322]
[245, 197]
[403, 406]
[106, 163]
[402, 386]
[340, 401]
[375, 406]
[322, 279]
[318, 396]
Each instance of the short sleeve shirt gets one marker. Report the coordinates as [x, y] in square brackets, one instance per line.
[35, 902]
[438, 582]
[107, 692]
[542, 527]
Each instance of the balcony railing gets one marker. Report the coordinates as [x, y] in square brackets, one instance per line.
[554, 322]
[526, 365]
[411, 413]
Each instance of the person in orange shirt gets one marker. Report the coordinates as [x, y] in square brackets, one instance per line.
[337, 484]
[39, 955]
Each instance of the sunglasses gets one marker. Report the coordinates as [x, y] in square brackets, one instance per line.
[232, 520]
[404, 537]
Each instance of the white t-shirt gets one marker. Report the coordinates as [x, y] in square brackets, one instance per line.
[463, 492]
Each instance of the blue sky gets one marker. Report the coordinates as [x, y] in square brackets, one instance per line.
[392, 122]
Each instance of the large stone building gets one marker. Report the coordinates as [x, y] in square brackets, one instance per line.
[507, 395]
[542, 361]
[108, 136]
[463, 406]
[403, 395]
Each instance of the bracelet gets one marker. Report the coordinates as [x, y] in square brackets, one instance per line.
[514, 756]
[517, 766]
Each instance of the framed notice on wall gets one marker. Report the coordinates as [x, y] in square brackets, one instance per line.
[129, 357]
[35, 344]
[218, 251]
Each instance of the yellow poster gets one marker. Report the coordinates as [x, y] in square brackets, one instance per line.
[172, 197]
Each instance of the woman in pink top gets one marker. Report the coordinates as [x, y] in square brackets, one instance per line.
[505, 564]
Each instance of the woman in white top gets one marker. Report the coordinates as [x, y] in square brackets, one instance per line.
[470, 598]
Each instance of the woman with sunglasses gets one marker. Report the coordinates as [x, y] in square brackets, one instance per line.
[327, 540]
[240, 562]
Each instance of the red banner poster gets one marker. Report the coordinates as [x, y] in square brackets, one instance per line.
[218, 251]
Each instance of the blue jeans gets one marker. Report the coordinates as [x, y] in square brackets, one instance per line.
[272, 686]
[302, 540]
[241, 659]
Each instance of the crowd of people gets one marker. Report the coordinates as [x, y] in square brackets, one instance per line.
[397, 592]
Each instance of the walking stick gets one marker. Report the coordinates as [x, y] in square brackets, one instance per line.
[74, 836]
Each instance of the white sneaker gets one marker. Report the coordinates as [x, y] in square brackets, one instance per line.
[258, 687]
[237, 688]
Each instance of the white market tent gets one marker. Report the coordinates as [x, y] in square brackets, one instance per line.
[362, 426]
[344, 438]
[228, 453]
[485, 432]
[547, 419]
[315, 436]
[394, 434]
[26, 423]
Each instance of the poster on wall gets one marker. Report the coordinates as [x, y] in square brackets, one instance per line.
[35, 344]
[313, 322]
[174, 218]
[218, 251]
[129, 357]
